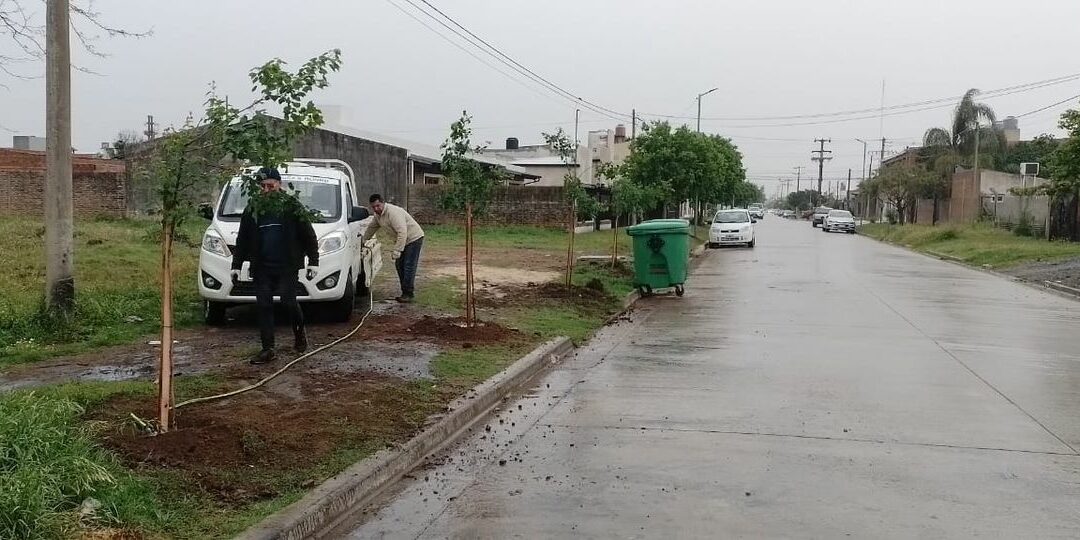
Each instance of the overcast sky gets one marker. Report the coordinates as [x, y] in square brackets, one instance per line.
[768, 58]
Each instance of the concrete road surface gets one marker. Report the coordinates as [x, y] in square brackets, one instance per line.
[816, 386]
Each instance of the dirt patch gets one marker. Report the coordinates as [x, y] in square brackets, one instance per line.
[1066, 272]
[591, 295]
[455, 330]
[487, 276]
[255, 445]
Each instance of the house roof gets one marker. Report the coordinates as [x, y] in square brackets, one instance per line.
[543, 160]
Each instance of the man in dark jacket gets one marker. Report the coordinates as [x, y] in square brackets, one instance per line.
[275, 237]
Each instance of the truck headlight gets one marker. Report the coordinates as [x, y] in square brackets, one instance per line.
[215, 244]
[332, 242]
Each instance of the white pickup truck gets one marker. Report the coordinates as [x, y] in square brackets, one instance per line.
[346, 266]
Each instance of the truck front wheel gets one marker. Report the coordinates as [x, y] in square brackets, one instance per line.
[214, 313]
[341, 310]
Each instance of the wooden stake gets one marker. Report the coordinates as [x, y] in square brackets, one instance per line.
[615, 241]
[165, 371]
[468, 265]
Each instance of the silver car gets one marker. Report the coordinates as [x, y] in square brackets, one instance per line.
[838, 221]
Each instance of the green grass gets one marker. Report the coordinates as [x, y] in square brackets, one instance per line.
[468, 367]
[441, 293]
[979, 244]
[116, 286]
[51, 464]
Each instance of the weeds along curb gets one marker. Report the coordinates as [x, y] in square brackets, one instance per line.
[330, 503]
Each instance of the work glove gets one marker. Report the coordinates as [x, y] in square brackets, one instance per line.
[312, 271]
[235, 275]
[395, 255]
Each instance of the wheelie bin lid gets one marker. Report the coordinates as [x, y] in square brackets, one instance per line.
[660, 226]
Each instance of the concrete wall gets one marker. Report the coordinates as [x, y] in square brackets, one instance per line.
[1011, 209]
[965, 205]
[379, 168]
[511, 205]
[550, 175]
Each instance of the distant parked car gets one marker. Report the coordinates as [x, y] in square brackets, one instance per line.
[819, 215]
[790, 214]
[734, 226]
[839, 221]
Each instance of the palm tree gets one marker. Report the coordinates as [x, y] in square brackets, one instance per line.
[971, 121]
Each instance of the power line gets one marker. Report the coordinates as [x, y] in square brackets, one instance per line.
[506, 60]
[945, 102]
[467, 51]
[515, 62]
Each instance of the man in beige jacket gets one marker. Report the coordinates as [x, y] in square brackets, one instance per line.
[408, 239]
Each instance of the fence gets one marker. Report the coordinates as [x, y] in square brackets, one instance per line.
[510, 205]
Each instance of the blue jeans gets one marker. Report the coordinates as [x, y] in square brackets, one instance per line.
[406, 266]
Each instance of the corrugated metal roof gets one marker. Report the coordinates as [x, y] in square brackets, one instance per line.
[418, 151]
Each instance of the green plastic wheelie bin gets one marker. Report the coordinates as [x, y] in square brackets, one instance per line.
[661, 254]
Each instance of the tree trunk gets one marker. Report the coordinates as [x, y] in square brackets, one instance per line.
[59, 226]
[165, 371]
[570, 246]
[615, 240]
[468, 265]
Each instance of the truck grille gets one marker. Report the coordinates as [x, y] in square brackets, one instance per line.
[247, 288]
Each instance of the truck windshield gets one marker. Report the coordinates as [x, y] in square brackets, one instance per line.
[322, 195]
[738, 216]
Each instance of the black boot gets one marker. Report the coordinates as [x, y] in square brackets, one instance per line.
[265, 356]
[300, 344]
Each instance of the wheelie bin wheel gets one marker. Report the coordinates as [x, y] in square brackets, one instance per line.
[679, 290]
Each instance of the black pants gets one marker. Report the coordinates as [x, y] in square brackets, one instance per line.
[406, 266]
[268, 284]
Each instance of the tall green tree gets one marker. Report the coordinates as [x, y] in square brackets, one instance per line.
[1065, 160]
[971, 121]
[471, 186]
[684, 165]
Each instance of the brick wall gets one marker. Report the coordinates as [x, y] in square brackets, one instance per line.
[98, 185]
[511, 205]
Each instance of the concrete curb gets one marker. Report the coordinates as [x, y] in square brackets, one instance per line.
[333, 501]
[1062, 288]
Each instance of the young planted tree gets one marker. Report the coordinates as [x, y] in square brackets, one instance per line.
[578, 201]
[471, 185]
[628, 198]
[187, 161]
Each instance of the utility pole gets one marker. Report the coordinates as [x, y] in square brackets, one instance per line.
[633, 123]
[821, 158]
[882, 159]
[59, 227]
[847, 192]
[699, 106]
[577, 119]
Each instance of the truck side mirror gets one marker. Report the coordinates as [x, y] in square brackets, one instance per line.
[206, 211]
[358, 213]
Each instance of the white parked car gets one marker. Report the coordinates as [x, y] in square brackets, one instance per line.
[346, 268]
[839, 220]
[734, 226]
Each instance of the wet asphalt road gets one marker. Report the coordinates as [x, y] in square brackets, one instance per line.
[817, 386]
